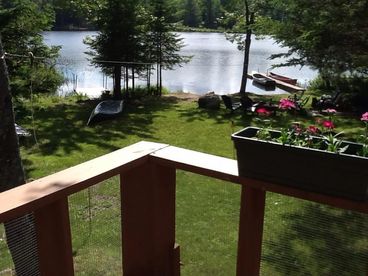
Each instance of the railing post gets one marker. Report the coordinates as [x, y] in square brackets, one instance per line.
[250, 231]
[148, 220]
[54, 239]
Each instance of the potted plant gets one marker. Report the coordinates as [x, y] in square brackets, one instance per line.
[305, 159]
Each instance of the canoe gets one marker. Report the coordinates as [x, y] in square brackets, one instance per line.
[264, 81]
[105, 110]
[264, 87]
[282, 78]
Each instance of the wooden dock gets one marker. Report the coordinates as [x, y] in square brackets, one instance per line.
[283, 85]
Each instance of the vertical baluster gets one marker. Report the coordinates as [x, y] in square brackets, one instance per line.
[250, 231]
[54, 239]
[148, 220]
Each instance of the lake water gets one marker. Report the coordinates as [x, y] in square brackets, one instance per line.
[216, 64]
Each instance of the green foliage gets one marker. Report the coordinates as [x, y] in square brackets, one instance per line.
[20, 28]
[70, 15]
[346, 93]
[263, 134]
[364, 151]
[119, 38]
[333, 143]
[327, 35]
[211, 11]
[161, 45]
[191, 13]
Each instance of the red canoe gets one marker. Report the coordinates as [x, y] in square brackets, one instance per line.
[282, 78]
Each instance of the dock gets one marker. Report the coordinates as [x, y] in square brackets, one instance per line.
[283, 85]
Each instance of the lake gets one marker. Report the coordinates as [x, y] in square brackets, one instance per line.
[216, 65]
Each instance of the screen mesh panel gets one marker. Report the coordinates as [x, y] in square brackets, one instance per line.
[18, 247]
[6, 264]
[305, 238]
[96, 230]
[207, 218]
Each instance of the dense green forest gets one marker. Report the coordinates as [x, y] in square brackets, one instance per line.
[190, 13]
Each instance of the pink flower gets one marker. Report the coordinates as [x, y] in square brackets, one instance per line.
[330, 111]
[263, 111]
[364, 117]
[313, 129]
[286, 104]
[328, 124]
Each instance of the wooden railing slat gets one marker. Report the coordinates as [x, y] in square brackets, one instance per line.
[148, 220]
[252, 207]
[54, 239]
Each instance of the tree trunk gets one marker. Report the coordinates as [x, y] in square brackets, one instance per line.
[117, 82]
[157, 79]
[133, 78]
[247, 43]
[20, 232]
[160, 91]
[249, 19]
[149, 79]
[126, 80]
[160, 67]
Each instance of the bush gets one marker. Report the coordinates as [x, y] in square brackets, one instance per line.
[349, 85]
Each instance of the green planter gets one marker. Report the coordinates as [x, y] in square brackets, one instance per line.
[342, 175]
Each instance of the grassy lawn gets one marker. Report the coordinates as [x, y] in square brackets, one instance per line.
[299, 237]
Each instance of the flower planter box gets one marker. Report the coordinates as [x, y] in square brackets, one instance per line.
[343, 175]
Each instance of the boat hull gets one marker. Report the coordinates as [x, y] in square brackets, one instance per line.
[105, 110]
[264, 81]
[282, 78]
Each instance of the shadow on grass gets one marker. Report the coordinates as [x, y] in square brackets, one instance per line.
[320, 241]
[63, 125]
[220, 116]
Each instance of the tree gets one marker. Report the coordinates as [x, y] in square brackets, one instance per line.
[20, 232]
[21, 26]
[67, 16]
[118, 40]
[191, 13]
[249, 21]
[244, 23]
[211, 12]
[165, 47]
[330, 35]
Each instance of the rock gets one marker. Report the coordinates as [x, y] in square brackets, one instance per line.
[209, 101]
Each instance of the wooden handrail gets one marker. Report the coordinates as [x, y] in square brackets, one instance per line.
[35, 194]
[149, 167]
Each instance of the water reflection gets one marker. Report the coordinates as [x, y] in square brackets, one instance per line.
[216, 64]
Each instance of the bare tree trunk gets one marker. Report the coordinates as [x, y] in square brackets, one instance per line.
[133, 78]
[126, 81]
[117, 82]
[247, 43]
[149, 78]
[160, 65]
[20, 232]
[249, 19]
[160, 92]
[157, 79]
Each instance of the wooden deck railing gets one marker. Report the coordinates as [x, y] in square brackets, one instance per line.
[147, 178]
